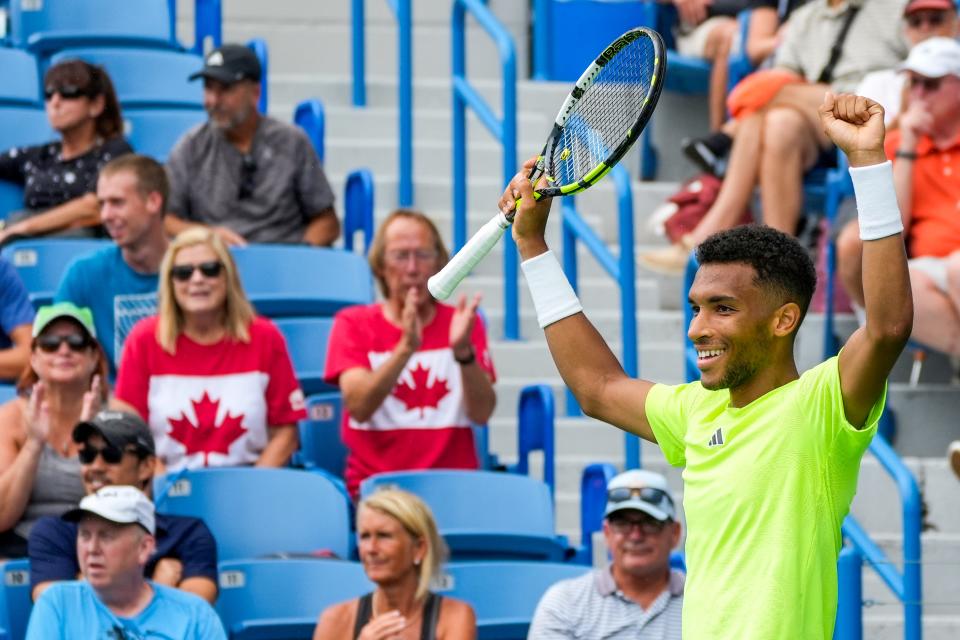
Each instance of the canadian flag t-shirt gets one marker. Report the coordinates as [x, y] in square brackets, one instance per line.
[422, 423]
[210, 405]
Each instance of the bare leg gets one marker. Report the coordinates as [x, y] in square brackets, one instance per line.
[789, 149]
[849, 261]
[936, 322]
[953, 279]
[739, 182]
[717, 51]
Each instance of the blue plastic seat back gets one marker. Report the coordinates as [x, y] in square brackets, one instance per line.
[254, 512]
[504, 595]
[284, 598]
[154, 132]
[483, 514]
[7, 392]
[22, 126]
[15, 600]
[289, 280]
[320, 443]
[21, 79]
[41, 263]
[57, 24]
[145, 78]
[307, 344]
[11, 198]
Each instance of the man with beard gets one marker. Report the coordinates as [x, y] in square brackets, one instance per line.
[250, 177]
[771, 456]
[638, 596]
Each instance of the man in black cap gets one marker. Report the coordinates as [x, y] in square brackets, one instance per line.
[116, 448]
[251, 178]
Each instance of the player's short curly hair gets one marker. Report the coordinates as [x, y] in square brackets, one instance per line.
[781, 263]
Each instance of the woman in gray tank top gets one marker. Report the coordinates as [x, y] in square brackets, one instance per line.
[39, 469]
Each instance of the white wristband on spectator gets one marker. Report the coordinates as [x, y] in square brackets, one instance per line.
[553, 297]
[877, 208]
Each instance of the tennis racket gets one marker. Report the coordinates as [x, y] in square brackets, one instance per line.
[598, 122]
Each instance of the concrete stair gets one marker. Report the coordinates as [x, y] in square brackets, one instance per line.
[309, 47]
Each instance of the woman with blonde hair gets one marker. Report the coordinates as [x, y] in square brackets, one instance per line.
[59, 387]
[402, 553]
[212, 379]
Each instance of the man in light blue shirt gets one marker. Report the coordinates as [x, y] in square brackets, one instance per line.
[119, 283]
[115, 539]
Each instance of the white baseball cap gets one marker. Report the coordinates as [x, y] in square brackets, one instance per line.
[934, 58]
[641, 490]
[119, 504]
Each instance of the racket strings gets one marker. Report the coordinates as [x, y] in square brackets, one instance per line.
[601, 120]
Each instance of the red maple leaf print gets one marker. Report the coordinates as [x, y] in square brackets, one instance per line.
[421, 395]
[206, 436]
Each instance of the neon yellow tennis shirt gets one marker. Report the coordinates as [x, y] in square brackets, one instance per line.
[766, 488]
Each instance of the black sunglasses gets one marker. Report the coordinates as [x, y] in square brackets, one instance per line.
[928, 84]
[247, 173]
[183, 272]
[51, 343]
[66, 91]
[109, 453]
[935, 19]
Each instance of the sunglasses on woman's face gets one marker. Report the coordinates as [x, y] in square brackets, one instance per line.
[66, 91]
[75, 341]
[183, 272]
[932, 18]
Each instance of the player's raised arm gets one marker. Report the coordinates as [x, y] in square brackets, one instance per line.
[855, 124]
[586, 363]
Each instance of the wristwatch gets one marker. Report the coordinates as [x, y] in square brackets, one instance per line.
[906, 155]
[470, 359]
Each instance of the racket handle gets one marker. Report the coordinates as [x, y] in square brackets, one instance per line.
[442, 284]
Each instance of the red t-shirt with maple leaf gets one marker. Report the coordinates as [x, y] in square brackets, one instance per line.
[423, 423]
[210, 405]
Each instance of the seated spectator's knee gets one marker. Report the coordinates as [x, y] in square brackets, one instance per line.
[953, 273]
[783, 131]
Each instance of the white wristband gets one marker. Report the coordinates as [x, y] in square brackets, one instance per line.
[553, 297]
[877, 208]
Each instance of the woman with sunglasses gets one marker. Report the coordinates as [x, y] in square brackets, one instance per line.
[402, 554]
[59, 178]
[60, 387]
[213, 380]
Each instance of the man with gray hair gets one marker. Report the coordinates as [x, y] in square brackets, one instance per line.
[115, 539]
[637, 596]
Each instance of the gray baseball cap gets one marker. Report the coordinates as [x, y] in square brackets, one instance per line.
[118, 428]
[641, 490]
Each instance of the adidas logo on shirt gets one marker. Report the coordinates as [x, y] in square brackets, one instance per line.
[717, 439]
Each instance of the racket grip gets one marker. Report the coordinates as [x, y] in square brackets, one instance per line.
[443, 283]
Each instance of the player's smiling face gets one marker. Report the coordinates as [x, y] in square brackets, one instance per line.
[731, 326]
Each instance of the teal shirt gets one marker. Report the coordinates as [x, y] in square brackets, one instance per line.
[71, 610]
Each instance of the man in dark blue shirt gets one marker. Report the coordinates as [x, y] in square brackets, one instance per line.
[116, 448]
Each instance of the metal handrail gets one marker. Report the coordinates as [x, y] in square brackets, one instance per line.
[403, 13]
[906, 585]
[622, 269]
[504, 129]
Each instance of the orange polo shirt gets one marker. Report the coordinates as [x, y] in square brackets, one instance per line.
[935, 205]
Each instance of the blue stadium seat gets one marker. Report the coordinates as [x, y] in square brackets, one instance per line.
[482, 514]
[309, 116]
[15, 602]
[7, 392]
[22, 126]
[145, 78]
[41, 262]
[11, 197]
[21, 79]
[358, 208]
[288, 280]
[153, 132]
[255, 512]
[320, 443]
[51, 25]
[307, 344]
[504, 595]
[282, 599]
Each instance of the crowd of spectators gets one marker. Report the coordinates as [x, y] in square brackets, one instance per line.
[152, 359]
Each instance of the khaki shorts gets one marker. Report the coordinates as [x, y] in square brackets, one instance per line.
[693, 42]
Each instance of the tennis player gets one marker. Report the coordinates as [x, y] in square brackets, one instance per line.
[771, 456]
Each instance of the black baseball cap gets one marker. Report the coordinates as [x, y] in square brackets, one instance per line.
[118, 428]
[229, 64]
